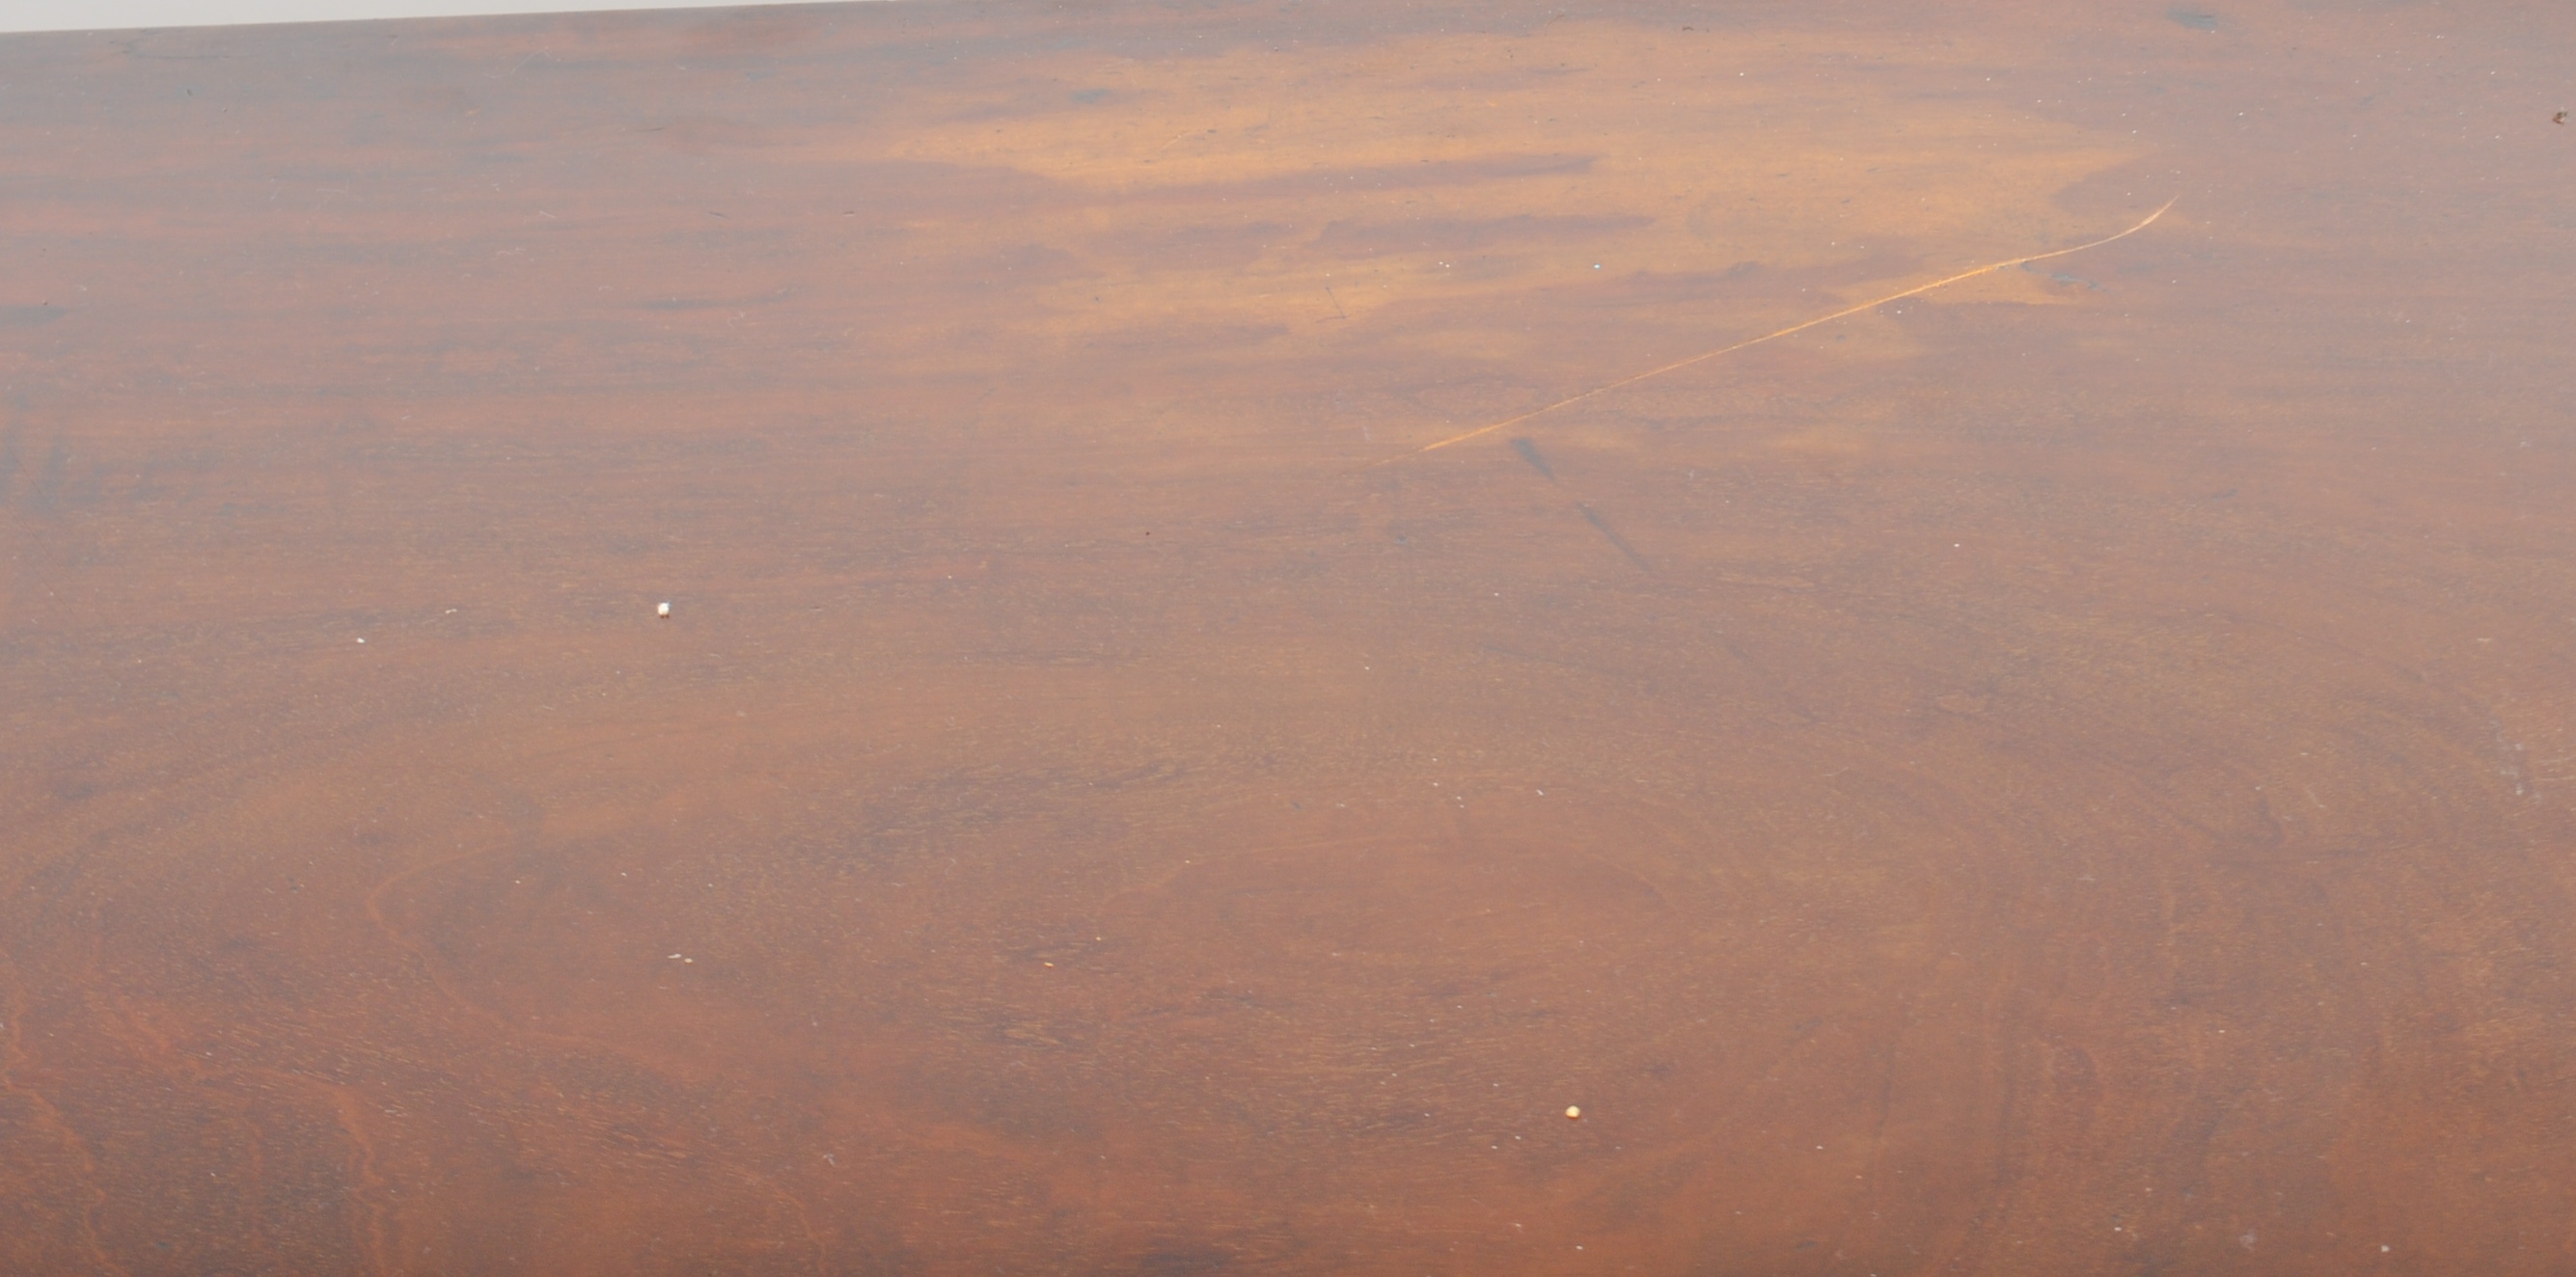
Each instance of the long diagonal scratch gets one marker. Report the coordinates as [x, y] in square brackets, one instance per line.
[1677, 365]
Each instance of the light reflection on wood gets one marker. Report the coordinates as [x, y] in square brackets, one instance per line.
[2063, 773]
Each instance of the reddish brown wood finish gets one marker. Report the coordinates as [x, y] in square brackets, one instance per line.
[2067, 774]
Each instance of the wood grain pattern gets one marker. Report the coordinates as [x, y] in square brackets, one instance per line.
[2069, 773]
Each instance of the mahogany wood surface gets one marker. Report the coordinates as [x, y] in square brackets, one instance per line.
[2066, 773]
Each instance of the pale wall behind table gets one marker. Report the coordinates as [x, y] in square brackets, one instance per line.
[95, 15]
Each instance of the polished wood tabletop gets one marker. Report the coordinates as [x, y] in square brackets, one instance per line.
[1319, 637]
